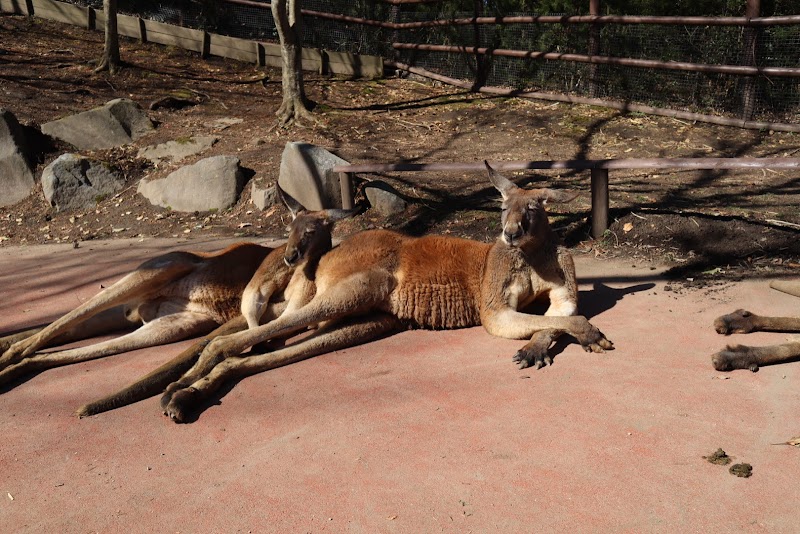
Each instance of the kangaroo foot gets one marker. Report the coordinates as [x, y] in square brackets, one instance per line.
[179, 407]
[738, 322]
[169, 391]
[735, 357]
[14, 354]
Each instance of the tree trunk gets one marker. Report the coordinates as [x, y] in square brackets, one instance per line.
[288, 23]
[110, 60]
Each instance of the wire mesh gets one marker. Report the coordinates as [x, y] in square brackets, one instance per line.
[772, 99]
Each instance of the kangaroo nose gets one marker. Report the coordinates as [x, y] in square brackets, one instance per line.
[290, 258]
[510, 236]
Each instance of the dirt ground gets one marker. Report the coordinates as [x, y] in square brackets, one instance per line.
[710, 225]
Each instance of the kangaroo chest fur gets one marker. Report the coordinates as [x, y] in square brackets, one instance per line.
[517, 277]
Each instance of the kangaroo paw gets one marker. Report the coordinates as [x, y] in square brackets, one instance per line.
[734, 357]
[738, 322]
[595, 341]
[533, 354]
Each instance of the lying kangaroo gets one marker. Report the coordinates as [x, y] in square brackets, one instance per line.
[268, 293]
[744, 322]
[173, 297]
[378, 282]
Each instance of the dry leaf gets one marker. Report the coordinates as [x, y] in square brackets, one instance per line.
[627, 227]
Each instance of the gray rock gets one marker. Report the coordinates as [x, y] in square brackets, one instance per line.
[210, 184]
[306, 174]
[176, 150]
[263, 195]
[73, 182]
[224, 123]
[116, 123]
[16, 172]
[384, 198]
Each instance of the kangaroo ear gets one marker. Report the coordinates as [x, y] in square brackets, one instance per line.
[334, 215]
[558, 196]
[294, 207]
[500, 182]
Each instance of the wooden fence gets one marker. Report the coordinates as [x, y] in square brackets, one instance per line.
[202, 42]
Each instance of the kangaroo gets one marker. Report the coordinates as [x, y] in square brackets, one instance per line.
[172, 297]
[744, 322]
[263, 299]
[377, 282]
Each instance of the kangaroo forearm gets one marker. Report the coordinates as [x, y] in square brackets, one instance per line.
[516, 325]
[777, 324]
[776, 353]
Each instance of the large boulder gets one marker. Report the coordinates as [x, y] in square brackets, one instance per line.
[73, 182]
[306, 173]
[116, 123]
[16, 172]
[210, 184]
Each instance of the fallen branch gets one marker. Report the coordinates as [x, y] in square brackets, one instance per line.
[786, 224]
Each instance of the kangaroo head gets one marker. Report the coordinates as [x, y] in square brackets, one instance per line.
[309, 231]
[523, 210]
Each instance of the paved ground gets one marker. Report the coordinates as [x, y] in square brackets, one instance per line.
[420, 432]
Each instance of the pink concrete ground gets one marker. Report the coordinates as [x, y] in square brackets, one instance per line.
[420, 432]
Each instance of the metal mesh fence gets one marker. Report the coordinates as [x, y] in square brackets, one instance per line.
[776, 99]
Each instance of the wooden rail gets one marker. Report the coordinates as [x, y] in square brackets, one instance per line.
[599, 173]
[741, 70]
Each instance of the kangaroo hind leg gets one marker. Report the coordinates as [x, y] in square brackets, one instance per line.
[162, 330]
[333, 336]
[145, 281]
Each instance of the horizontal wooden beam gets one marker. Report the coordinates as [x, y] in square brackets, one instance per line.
[741, 70]
[632, 163]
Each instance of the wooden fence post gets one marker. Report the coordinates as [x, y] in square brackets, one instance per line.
[594, 49]
[206, 46]
[261, 55]
[599, 202]
[346, 185]
[749, 55]
[142, 30]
